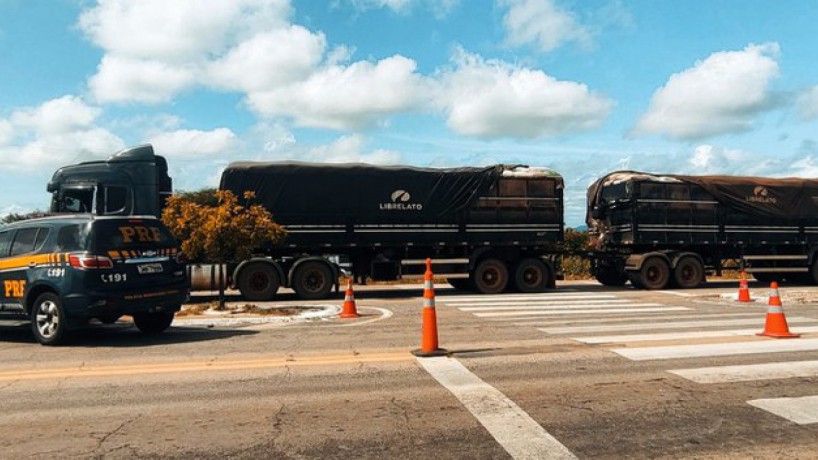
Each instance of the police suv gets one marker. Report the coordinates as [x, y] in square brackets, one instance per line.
[64, 271]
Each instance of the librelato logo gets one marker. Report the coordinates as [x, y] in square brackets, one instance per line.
[400, 202]
[761, 195]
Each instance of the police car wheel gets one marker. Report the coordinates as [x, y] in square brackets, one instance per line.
[48, 319]
[153, 323]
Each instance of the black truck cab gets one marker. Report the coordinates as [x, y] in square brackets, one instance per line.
[133, 181]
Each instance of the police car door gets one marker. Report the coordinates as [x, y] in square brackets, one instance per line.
[5, 245]
[17, 264]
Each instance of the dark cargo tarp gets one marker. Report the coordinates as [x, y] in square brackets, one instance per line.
[786, 198]
[358, 193]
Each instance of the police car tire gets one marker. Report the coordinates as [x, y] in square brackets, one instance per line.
[153, 323]
[51, 326]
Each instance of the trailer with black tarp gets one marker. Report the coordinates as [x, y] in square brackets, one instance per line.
[662, 229]
[484, 228]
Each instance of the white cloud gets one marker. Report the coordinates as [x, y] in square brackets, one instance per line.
[123, 79]
[6, 132]
[190, 143]
[276, 57]
[179, 30]
[722, 94]
[57, 132]
[154, 48]
[350, 149]
[57, 116]
[438, 7]
[542, 23]
[346, 97]
[496, 99]
[808, 103]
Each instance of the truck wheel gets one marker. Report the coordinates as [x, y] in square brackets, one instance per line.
[153, 323]
[610, 276]
[48, 319]
[688, 273]
[312, 280]
[655, 273]
[531, 275]
[490, 276]
[258, 281]
[461, 284]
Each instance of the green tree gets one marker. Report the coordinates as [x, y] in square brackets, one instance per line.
[221, 233]
[15, 216]
[573, 264]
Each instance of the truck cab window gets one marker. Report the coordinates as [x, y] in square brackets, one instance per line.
[115, 200]
[77, 200]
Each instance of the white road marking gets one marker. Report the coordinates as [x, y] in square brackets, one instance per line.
[520, 435]
[668, 325]
[803, 410]
[718, 349]
[532, 303]
[577, 312]
[680, 294]
[516, 298]
[560, 307]
[622, 319]
[681, 335]
[750, 372]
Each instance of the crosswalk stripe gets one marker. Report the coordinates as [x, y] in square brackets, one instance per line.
[803, 410]
[513, 298]
[665, 325]
[560, 307]
[622, 319]
[717, 349]
[680, 335]
[746, 373]
[540, 303]
[576, 312]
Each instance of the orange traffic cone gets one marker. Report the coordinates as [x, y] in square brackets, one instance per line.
[428, 341]
[350, 310]
[743, 290]
[776, 323]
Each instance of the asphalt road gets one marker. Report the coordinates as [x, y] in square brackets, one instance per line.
[581, 371]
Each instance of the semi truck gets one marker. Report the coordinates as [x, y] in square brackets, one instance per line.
[486, 229]
[660, 230]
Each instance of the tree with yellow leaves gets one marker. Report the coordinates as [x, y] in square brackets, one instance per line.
[224, 233]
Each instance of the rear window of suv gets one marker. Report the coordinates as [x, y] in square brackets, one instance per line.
[129, 234]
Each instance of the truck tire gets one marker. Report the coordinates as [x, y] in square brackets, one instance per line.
[610, 276]
[531, 275]
[258, 281]
[654, 274]
[48, 322]
[688, 273]
[490, 276]
[312, 280]
[153, 323]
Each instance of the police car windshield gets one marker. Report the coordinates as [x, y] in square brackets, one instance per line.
[129, 233]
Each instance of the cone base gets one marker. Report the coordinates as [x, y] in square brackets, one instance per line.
[349, 315]
[778, 335]
[429, 354]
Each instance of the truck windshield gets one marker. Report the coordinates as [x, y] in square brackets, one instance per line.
[613, 192]
[76, 200]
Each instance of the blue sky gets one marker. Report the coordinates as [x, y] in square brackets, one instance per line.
[583, 87]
